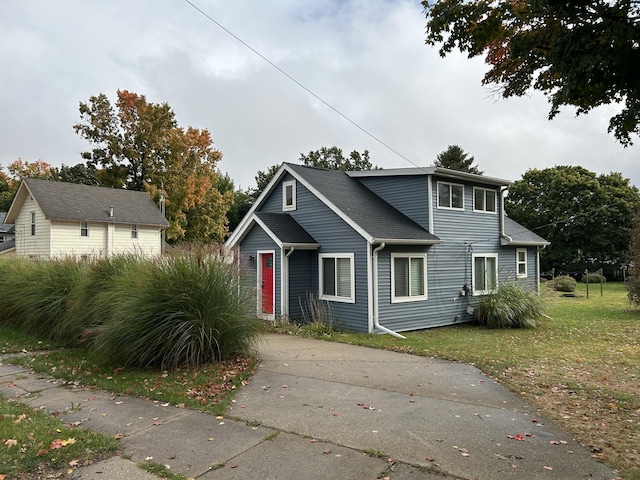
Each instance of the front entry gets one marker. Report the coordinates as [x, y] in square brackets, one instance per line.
[266, 279]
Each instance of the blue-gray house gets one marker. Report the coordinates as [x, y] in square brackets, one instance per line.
[388, 250]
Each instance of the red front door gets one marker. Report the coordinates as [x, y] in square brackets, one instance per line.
[267, 283]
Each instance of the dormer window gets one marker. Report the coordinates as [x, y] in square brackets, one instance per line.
[289, 195]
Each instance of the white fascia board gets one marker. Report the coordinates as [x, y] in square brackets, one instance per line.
[406, 241]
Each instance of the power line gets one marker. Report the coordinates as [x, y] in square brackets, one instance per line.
[309, 91]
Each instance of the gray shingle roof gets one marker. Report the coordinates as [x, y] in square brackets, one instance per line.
[521, 235]
[76, 202]
[5, 227]
[286, 228]
[362, 206]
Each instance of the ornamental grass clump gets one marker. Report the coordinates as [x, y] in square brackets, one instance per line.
[510, 306]
[38, 297]
[176, 311]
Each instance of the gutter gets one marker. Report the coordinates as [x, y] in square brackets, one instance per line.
[376, 324]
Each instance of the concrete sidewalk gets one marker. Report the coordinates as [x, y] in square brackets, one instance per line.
[318, 410]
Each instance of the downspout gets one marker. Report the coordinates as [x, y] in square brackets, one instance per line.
[503, 192]
[284, 284]
[375, 294]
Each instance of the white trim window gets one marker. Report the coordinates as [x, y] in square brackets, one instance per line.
[337, 279]
[289, 195]
[451, 196]
[33, 223]
[484, 200]
[408, 277]
[484, 271]
[134, 231]
[521, 263]
[84, 229]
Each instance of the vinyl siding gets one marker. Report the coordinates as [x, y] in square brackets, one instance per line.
[508, 261]
[148, 243]
[27, 244]
[67, 241]
[303, 279]
[395, 191]
[104, 239]
[449, 266]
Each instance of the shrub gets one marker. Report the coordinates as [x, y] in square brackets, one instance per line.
[510, 306]
[564, 283]
[176, 311]
[593, 278]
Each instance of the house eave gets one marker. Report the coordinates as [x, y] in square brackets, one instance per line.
[439, 171]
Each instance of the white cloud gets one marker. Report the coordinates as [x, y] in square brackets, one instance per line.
[367, 59]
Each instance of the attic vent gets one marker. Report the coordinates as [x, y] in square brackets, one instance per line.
[111, 211]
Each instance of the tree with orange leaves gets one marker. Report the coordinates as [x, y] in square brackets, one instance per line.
[17, 170]
[140, 146]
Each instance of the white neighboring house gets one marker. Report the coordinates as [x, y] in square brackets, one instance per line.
[58, 219]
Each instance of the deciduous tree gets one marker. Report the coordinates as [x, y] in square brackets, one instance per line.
[332, 158]
[139, 146]
[586, 217]
[581, 54]
[17, 170]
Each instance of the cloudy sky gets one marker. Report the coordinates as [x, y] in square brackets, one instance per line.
[366, 58]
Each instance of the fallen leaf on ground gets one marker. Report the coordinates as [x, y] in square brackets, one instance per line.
[11, 442]
[517, 436]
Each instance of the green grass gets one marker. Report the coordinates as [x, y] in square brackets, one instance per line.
[33, 440]
[581, 367]
[15, 340]
[209, 388]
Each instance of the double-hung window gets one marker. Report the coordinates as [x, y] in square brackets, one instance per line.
[450, 195]
[134, 231]
[484, 200]
[84, 229]
[337, 280]
[521, 263]
[408, 277]
[485, 273]
[33, 223]
[289, 195]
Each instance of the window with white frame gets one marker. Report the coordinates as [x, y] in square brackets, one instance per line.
[134, 231]
[337, 280]
[485, 273]
[521, 263]
[84, 229]
[408, 277]
[450, 195]
[33, 223]
[484, 200]
[289, 195]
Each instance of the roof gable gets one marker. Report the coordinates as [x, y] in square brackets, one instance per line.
[63, 201]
